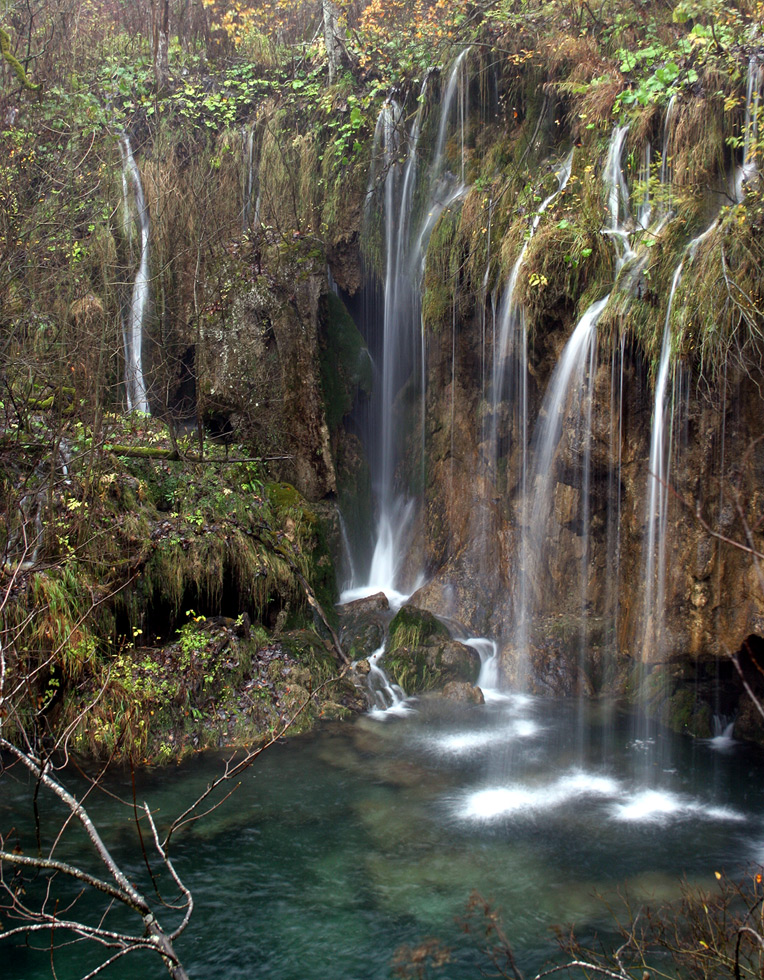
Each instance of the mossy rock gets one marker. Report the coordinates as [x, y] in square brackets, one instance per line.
[308, 533]
[283, 497]
[413, 627]
[363, 625]
[687, 715]
[432, 665]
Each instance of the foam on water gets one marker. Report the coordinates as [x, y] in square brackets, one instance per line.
[503, 801]
[656, 805]
[482, 739]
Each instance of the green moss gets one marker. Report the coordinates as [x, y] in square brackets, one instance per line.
[445, 255]
[684, 713]
[431, 664]
[307, 544]
[717, 316]
[411, 671]
[412, 627]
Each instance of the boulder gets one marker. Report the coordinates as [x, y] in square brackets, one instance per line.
[362, 625]
[463, 693]
[431, 665]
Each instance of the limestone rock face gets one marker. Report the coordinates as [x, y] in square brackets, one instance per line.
[587, 584]
[261, 378]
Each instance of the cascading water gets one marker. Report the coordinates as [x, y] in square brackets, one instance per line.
[488, 679]
[570, 384]
[618, 199]
[387, 697]
[133, 326]
[747, 169]
[509, 383]
[512, 334]
[645, 207]
[667, 170]
[656, 515]
[570, 396]
[402, 356]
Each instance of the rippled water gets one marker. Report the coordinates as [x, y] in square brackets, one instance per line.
[341, 846]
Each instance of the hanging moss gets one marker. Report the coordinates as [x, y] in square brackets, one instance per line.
[445, 255]
[718, 316]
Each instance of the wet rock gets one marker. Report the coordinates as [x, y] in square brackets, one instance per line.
[331, 711]
[362, 607]
[463, 693]
[362, 625]
[261, 377]
[413, 627]
[567, 504]
[432, 665]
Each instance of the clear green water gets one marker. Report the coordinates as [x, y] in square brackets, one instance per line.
[343, 845]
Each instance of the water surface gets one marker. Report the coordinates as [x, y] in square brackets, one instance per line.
[340, 846]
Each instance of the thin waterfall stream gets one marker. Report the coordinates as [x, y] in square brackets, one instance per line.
[134, 324]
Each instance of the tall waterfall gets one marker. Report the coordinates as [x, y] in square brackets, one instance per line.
[134, 322]
[656, 515]
[398, 409]
[568, 404]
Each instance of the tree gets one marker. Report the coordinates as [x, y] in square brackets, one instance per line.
[160, 18]
[334, 37]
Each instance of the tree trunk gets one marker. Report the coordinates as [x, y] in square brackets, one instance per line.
[162, 44]
[334, 36]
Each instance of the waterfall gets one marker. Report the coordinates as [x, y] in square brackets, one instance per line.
[569, 396]
[512, 337]
[488, 679]
[656, 515]
[618, 199]
[402, 355]
[645, 207]
[133, 327]
[618, 359]
[748, 165]
[667, 171]
[569, 391]
[385, 695]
